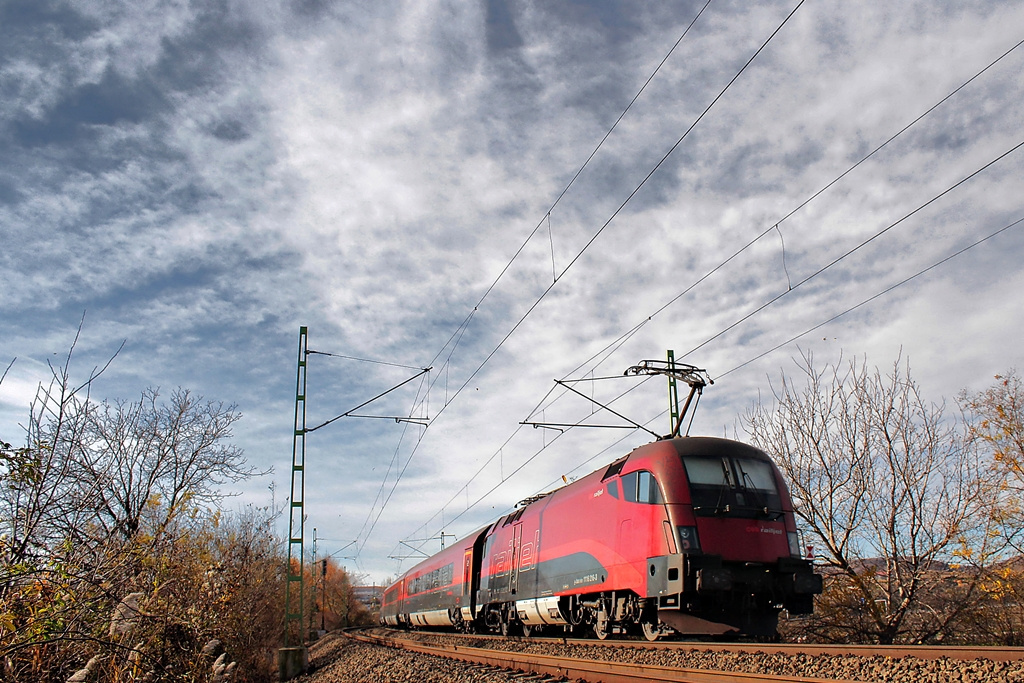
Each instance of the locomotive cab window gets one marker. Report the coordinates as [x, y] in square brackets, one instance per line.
[641, 487]
[733, 487]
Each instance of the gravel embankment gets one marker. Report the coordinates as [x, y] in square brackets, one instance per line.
[338, 659]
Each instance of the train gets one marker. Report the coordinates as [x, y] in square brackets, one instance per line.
[688, 535]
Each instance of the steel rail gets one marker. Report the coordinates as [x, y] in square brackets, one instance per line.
[926, 652]
[592, 671]
[958, 652]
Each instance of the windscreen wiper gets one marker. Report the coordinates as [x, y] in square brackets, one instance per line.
[762, 506]
[726, 485]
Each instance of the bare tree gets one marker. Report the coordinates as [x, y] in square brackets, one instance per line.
[93, 532]
[147, 457]
[892, 489]
[42, 500]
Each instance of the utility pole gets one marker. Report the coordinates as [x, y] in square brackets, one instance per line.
[293, 658]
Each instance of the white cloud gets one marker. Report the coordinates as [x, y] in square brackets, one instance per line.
[368, 171]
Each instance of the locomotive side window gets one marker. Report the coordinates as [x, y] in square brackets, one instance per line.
[641, 487]
[629, 487]
[613, 488]
[734, 487]
[647, 489]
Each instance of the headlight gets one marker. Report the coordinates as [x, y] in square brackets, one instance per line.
[688, 541]
[794, 544]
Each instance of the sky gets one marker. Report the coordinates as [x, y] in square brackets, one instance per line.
[508, 193]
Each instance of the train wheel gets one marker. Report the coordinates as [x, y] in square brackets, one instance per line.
[601, 629]
[511, 628]
[651, 631]
[528, 630]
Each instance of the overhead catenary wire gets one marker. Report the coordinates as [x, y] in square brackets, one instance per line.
[819, 192]
[530, 459]
[626, 201]
[383, 483]
[456, 336]
[772, 227]
[618, 210]
[632, 331]
[503, 478]
[861, 245]
[880, 294]
[775, 226]
[579, 171]
[387, 500]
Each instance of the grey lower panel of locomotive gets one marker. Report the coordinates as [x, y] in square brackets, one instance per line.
[540, 611]
[544, 579]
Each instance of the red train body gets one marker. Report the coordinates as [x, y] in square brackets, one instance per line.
[692, 535]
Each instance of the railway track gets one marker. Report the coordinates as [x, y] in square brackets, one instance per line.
[635, 661]
[926, 652]
[570, 668]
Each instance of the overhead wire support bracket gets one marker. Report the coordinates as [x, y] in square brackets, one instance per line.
[408, 545]
[342, 549]
[349, 413]
[557, 425]
[562, 426]
[406, 557]
[421, 421]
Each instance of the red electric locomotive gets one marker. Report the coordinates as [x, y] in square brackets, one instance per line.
[694, 535]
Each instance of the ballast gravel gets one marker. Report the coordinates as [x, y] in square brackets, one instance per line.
[338, 659]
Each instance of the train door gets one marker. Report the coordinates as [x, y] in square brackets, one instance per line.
[517, 540]
[467, 573]
[400, 613]
[625, 539]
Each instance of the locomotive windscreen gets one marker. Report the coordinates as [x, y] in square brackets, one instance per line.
[732, 486]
